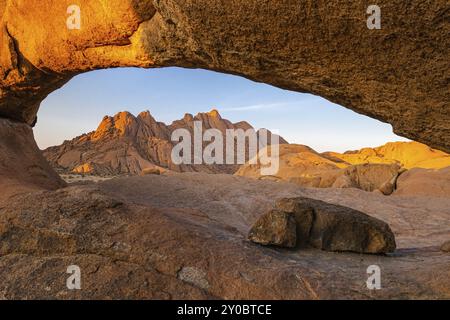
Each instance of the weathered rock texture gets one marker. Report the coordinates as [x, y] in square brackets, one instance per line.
[304, 166]
[324, 226]
[398, 74]
[409, 155]
[424, 182]
[369, 169]
[156, 237]
[22, 166]
[125, 144]
[277, 228]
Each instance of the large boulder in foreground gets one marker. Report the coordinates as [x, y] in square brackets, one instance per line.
[325, 226]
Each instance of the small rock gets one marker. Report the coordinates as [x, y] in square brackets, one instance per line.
[275, 228]
[194, 276]
[388, 187]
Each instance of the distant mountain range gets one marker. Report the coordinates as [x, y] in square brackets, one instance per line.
[129, 145]
[125, 144]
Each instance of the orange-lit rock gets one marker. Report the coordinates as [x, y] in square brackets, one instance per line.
[369, 169]
[306, 167]
[125, 144]
[397, 74]
[407, 154]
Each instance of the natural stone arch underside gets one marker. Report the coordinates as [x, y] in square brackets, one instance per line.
[399, 74]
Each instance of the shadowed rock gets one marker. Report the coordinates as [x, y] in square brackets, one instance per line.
[276, 228]
[22, 166]
[324, 226]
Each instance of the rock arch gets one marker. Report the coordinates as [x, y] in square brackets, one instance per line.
[399, 74]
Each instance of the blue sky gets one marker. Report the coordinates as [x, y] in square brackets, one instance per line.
[169, 93]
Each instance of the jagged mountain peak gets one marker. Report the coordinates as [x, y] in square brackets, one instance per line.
[124, 144]
[145, 115]
[214, 113]
[120, 124]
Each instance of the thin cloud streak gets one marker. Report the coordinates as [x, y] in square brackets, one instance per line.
[308, 99]
[260, 106]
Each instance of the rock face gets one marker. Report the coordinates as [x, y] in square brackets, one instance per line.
[324, 226]
[304, 166]
[369, 169]
[125, 144]
[424, 182]
[276, 228]
[407, 154]
[22, 166]
[398, 74]
[133, 239]
[370, 177]
[299, 164]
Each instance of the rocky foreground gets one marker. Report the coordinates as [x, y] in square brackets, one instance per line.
[185, 236]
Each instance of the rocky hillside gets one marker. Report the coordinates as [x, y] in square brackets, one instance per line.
[125, 144]
[407, 154]
[376, 169]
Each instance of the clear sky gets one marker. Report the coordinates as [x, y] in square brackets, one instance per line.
[169, 93]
